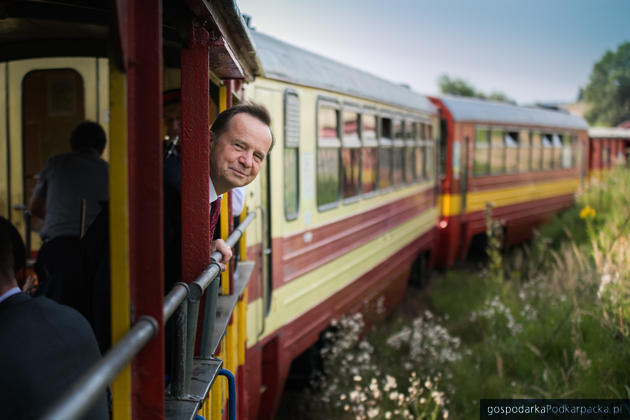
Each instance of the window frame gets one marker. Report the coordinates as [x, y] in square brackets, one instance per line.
[388, 143]
[372, 143]
[326, 101]
[351, 144]
[291, 145]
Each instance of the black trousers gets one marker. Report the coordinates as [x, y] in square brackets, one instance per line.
[58, 269]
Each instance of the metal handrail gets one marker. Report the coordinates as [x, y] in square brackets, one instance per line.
[92, 384]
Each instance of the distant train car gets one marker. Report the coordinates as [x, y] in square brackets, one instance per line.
[350, 203]
[608, 147]
[527, 162]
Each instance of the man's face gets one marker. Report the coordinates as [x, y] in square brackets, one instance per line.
[173, 120]
[238, 153]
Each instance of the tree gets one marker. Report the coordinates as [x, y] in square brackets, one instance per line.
[461, 87]
[456, 87]
[608, 89]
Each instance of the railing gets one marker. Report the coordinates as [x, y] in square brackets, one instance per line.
[183, 301]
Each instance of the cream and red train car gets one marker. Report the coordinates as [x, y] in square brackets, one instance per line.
[349, 198]
[608, 147]
[527, 162]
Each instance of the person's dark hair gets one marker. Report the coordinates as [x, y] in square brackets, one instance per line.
[219, 126]
[6, 253]
[16, 246]
[88, 135]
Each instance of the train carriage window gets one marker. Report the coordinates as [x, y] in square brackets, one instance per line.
[369, 153]
[54, 103]
[524, 151]
[328, 145]
[575, 151]
[398, 152]
[411, 134]
[350, 155]
[547, 145]
[497, 152]
[291, 154]
[385, 155]
[557, 151]
[537, 151]
[482, 148]
[511, 151]
[420, 153]
[429, 154]
[567, 157]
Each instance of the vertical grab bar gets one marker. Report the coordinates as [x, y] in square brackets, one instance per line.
[231, 392]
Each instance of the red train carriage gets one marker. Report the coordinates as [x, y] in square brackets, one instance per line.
[526, 162]
[351, 204]
[608, 147]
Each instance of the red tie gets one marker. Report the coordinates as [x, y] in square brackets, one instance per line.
[215, 209]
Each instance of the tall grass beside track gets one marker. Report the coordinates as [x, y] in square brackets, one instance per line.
[548, 320]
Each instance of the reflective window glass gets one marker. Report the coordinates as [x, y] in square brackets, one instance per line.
[482, 143]
[497, 152]
[369, 165]
[524, 152]
[511, 151]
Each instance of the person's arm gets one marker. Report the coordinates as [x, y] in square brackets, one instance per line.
[221, 246]
[37, 205]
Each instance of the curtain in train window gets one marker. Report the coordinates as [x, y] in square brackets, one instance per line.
[385, 154]
[537, 151]
[411, 134]
[567, 157]
[482, 143]
[350, 155]
[399, 152]
[429, 158]
[419, 159]
[547, 145]
[511, 151]
[497, 152]
[291, 155]
[524, 152]
[557, 151]
[369, 153]
[328, 145]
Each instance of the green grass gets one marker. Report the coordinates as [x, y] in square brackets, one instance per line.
[554, 324]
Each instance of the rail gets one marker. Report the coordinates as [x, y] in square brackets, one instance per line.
[183, 300]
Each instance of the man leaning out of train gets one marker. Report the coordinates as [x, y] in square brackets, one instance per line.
[240, 139]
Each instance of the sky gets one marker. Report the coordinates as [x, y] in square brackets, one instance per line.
[530, 50]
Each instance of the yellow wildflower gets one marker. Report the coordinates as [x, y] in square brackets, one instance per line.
[587, 212]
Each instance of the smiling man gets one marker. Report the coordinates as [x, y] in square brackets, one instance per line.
[240, 139]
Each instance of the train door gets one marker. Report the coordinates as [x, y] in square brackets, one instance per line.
[46, 99]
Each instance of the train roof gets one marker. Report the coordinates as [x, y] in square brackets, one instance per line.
[474, 109]
[608, 132]
[288, 63]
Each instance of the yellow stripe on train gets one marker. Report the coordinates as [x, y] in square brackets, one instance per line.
[476, 201]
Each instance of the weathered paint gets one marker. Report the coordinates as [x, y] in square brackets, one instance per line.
[119, 234]
[144, 116]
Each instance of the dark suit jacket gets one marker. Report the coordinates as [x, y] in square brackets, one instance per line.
[44, 348]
